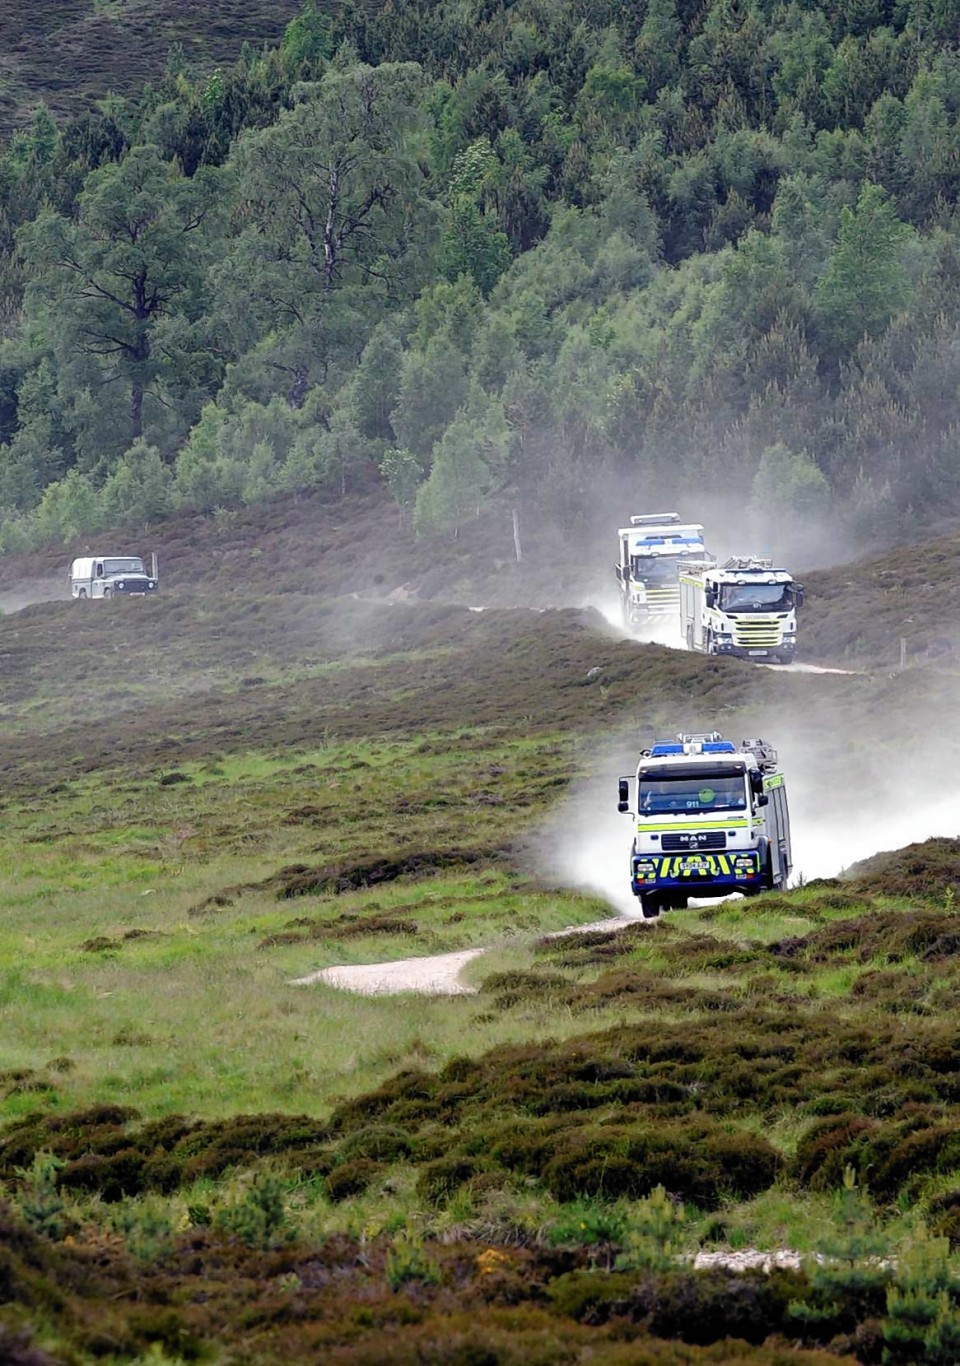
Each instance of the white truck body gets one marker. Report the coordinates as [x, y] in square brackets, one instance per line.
[711, 818]
[106, 576]
[745, 607]
[652, 550]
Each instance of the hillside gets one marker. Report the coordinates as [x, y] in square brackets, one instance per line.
[855, 614]
[260, 774]
[71, 53]
[324, 324]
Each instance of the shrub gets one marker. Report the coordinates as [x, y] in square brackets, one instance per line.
[352, 1178]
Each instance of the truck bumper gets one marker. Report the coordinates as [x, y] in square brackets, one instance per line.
[696, 874]
[781, 654]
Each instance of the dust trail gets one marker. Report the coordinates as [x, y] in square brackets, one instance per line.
[849, 796]
[585, 842]
[850, 799]
[663, 631]
[27, 594]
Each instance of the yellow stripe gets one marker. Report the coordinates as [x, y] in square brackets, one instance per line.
[642, 826]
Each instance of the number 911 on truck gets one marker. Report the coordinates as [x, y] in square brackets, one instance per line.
[711, 819]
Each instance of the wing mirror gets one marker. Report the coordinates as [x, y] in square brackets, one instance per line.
[710, 597]
[623, 789]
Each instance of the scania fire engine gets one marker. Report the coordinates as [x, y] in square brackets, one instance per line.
[744, 607]
[653, 548]
[711, 818]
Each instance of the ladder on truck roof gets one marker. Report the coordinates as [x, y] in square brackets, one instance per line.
[656, 519]
[746, 562]
[764, 753]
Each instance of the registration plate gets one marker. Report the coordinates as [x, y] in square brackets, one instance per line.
[756, 652]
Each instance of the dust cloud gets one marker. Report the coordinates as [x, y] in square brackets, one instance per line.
[860, 781]
[849, 800]
[21, 595]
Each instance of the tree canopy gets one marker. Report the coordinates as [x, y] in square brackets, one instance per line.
[497, 252]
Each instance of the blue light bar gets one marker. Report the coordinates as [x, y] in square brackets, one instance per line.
[659, 750]
[719, 747]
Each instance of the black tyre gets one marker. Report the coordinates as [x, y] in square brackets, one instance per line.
[81, 593]
[649, 905]
[107, 593]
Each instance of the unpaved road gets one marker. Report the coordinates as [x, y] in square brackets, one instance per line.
[438, 975]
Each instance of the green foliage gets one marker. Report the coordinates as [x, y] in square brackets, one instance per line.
[646, 236]
[258, 1214]
[139, 488]
[134, 257]
[39, 1202]
[865, 283]
[788, 485]
[465, 463]
[654, 1230]
[408, 1263]
[923, 1312]
[588, 1223]
[404, 475]
[852, 1265]
[306, 40]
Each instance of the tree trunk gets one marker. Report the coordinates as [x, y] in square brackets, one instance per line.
[136, 411]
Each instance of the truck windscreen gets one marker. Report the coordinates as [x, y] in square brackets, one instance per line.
[701, 792]
[660, 568]
[755, 597]
[128, 565]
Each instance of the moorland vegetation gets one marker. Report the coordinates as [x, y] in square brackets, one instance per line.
[200, 1160]
[547, 244]
[497, 254]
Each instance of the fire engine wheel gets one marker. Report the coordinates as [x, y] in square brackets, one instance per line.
[649, 905]
[81, 593]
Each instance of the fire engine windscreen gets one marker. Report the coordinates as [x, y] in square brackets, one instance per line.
[756, 597]
[129, 564]
[656, 569]
[701, 791]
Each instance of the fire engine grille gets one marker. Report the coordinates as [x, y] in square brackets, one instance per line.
[664, 599]
[757, 632]
[694, 840]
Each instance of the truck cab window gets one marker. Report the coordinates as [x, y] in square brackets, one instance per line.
[709, 793]
[755, 597]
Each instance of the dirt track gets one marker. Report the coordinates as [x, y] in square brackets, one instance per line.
[438, 975]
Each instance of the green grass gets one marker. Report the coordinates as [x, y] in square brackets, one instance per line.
[108, 956]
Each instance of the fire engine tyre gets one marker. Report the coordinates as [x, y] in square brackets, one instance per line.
[81, 593]
[649, 905]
